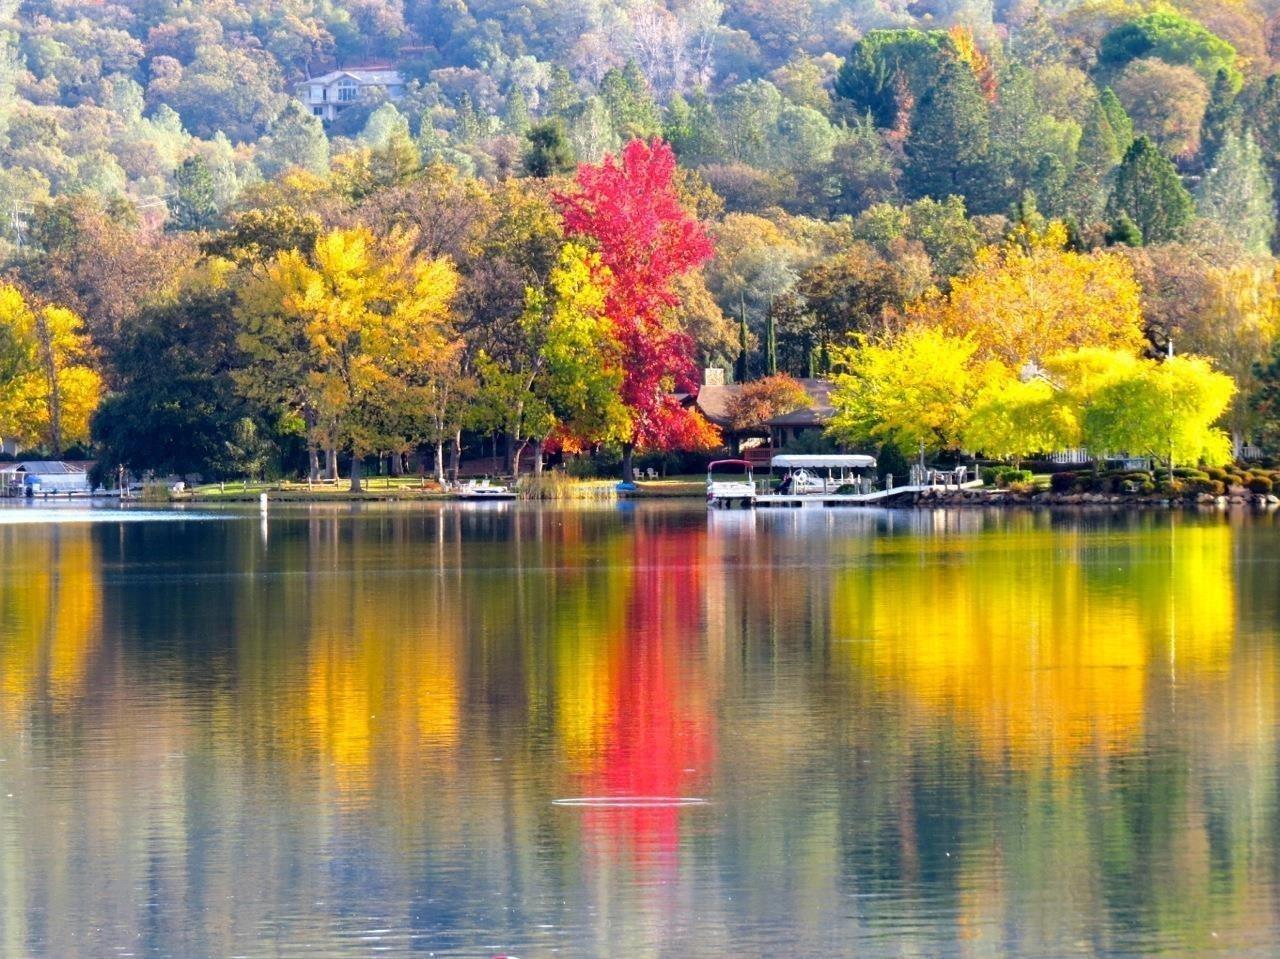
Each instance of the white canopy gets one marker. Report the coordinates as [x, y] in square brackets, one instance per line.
[792, 461]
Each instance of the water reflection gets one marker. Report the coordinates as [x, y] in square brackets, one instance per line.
[915, 733]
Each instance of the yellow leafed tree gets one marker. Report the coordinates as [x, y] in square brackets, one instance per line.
[49, 387]
[913, 390]
[1026, 301]
[347, 326]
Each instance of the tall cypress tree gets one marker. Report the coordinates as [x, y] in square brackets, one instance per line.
[948, 146]
[1148, 189]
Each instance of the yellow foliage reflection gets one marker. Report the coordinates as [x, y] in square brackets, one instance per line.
[1043, 641]
[50, 611]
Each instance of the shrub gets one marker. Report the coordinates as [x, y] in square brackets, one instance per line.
[989, 475]
[1062, 482]
[1217, 473]
[1171, 487]
[1260, 484]
[1211, 486]
[1008, 477]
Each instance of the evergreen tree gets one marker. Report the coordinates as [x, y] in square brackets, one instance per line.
[1118, 117]
[515, 115]
[547, 151]
[194, 204]
[947, 148]
[1148, 189]
[631, 106]
[297, 139]
[384, 123]
[1098, 155]
[1236, 193]
[563, 95]
[1124, 232]
[1221, 116]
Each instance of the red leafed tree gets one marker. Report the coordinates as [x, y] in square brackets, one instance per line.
[628, 206]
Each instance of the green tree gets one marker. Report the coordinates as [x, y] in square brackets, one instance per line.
[947, 149]
[1235, 193]
[296, 139]
[1221, 117]
[547, 151]
[1148, 189]
[1097, 157]
[1121, 124]
[194, 204]
[1173, 38]
[887, 70]
[515, 112]
[631, 106]
[176, 398]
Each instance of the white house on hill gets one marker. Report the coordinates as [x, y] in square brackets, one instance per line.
[328, 95]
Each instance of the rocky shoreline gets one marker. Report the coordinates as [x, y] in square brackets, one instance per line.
[1236, 498]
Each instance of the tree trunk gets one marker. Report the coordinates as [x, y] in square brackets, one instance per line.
[511, 450]
[397, 464]
[439, 463]
[770, 344]
[741, 371]
[455, 456]
[356, 485]
[628, 472]
[50, 363]
[331, 463]
[517, 452]
[537, 457]
[313, 463]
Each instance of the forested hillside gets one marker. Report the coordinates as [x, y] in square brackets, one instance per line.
[847, 159]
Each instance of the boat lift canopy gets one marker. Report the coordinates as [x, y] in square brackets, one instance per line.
[793, 461]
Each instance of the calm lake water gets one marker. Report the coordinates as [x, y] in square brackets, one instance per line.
[353, 732]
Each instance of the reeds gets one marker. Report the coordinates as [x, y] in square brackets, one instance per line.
[557, 486]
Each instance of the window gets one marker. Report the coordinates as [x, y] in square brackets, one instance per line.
[317, 111]
[347, 91]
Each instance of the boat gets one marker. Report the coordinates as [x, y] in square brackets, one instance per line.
[483, 489]
[806, 473]
[730, 482]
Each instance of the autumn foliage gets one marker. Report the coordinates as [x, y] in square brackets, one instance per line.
[628, 207]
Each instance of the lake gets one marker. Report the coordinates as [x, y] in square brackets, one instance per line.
[645, 731]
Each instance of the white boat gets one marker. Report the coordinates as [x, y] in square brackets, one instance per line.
[814, 473]
[730, 482]
[483, 489]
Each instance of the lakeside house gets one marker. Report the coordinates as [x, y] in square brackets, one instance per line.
[328, 95]
[715, 399]
[35, 477]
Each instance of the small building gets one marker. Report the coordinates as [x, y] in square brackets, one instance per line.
[38, 477]
[715, 400]
[328, 95]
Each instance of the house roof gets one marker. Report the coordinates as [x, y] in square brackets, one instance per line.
[715, 403]
[379, 75]
[41, 467]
